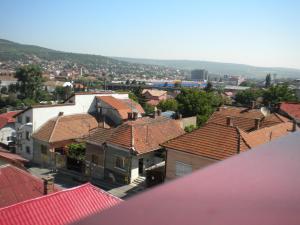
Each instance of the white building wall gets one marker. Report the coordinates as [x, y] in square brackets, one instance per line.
[38, 116]
[7, 131]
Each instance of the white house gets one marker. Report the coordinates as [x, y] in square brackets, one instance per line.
[7, 127]
[32, 118]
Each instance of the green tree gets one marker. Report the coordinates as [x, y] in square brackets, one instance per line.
[149, 109]
[279, 93]
[209, 87]
[76, 151]
[4, 90]
[246, 97]
[62, 93]
[30, 82]
[268, 80]
[194, 102]
[169, 104]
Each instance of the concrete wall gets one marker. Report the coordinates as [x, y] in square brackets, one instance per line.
[7, 131]
[92, 169]
[45, 160]
[111, 113]
[197, 162]
[184, 122]
[111, 171]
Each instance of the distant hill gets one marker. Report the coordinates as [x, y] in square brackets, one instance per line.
[14, 51]
[219, 68]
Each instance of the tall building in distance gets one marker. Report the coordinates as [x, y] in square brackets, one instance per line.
[199, 74]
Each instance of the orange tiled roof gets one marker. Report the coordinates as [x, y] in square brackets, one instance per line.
[245, 118]
[292, 109]
[123, 106]
[213, 141]
[154, 92]
[63, 128]
[145, 134]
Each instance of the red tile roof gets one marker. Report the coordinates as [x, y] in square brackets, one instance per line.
[63, 128]
[123, 106]
[145, 134]
[292, 109]
[218, 141]
[6, 118]
[63, 207]
[245, 118]
[213, 141]
[17, 185]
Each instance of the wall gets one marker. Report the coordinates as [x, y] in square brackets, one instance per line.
[94, 170]
[197, 162]
[113, 173]
[184, 122]
[42, 159]
[21, 129]
[7, 131]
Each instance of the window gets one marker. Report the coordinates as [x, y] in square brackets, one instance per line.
[95, 159]
[182, 169]
[44, 149]
[19, 119]
[120, 162]
[8, 138]
[27, 119]
[27, 135]
[27, 149]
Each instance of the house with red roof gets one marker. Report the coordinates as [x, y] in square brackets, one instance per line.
[154, 96]
[229, 131]
[7, 128]
[59, 208]
[123, 154]
[18, 185]
[291, 110]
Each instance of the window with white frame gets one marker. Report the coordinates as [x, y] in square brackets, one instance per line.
[182, 169]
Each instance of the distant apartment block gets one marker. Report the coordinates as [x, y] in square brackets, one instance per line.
[199, 75]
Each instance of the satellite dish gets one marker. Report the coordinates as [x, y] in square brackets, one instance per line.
[265, 111]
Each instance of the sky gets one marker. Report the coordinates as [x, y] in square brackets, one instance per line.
[254, 32]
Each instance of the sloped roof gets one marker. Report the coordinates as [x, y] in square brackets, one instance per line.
[154, 92]
[99, 135]
[292, 109]
[6, 118]
[145, 134]
[68, 127]
[267, 134]
[245, 118]
[123, 106]
[63, 207]
[17, 185]
[213, 141]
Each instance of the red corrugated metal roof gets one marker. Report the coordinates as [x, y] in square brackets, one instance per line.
[59, 208]
[17, 185]
[261, 186]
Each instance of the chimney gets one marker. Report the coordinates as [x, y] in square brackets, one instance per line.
[134, 116]
[229, 121]
[158, 112]
[257, 123]
[219, 109]
[294, 126]
[253, 103]
[60, 113]
[48, 185]
[130, 116]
